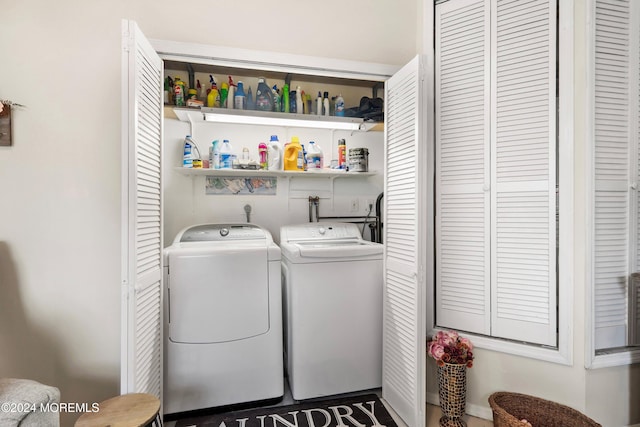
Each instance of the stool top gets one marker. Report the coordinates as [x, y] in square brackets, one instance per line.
[128, 410]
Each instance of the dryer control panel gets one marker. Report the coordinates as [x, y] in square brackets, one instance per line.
[221, 232]
[320, 231]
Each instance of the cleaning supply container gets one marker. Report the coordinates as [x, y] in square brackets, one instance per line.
[226, 151]
[274, 155]
[314, 157]
[293, 156]
[358, 160]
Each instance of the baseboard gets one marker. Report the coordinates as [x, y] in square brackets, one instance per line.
[478, 411]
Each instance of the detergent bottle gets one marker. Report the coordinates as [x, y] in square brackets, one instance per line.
[276, 99]
[239, 99]
[274, 155]
[264, 96]
[293, 156]
[314, 157]
[187, 152]
[226, 152]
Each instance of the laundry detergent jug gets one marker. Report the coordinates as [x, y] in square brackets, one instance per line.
[293, 155]
[274, 155]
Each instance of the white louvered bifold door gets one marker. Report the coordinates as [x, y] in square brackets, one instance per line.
[462, 166]
[523, 170]
[405, 193]
[612, 205]
[142, 215]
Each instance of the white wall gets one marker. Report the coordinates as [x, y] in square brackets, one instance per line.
[60, 182]
[186, 202]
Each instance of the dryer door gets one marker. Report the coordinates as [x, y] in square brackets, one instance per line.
[218, 295]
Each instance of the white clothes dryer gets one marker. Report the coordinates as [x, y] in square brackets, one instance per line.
[223, 317]
[332, 280]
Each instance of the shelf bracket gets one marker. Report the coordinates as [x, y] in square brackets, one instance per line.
[192, 126]
[375, 88]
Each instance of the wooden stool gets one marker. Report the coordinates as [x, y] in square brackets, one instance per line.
[128, 410]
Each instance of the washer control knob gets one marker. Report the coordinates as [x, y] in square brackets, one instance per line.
[322, 230]
[224, 232]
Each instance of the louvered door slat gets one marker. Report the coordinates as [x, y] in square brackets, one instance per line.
[612, 151]
[142, 205]
[462, 150]
[404, 323]
[523, 171]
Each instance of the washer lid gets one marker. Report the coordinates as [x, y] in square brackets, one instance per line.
[221, 233]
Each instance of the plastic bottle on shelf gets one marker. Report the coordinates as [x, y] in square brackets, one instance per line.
[231, 95]
[250, 105]
[293, 105]
[179, 92]
[285, 98]
[264, 96]
[224, 94]
[226, 152]
[293, 155]
[299, 101]
[304, 157]
[274, 157]
[325, 105]
[187, 152]
[202, 91]
[340, 106]
[263, 155]
[213, 95]
[276, 99]
[314, 157]
[239, 99]
[319, 104]
[308, 104]
[214, 155]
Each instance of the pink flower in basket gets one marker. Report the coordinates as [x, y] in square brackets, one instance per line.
[449, 347]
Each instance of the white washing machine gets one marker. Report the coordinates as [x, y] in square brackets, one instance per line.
[332, 280]
[223, 318]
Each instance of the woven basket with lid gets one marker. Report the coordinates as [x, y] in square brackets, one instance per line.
[510, 408]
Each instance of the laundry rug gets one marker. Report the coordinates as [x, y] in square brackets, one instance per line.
[357, 411]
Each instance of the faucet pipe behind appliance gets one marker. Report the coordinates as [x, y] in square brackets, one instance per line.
[368, 219]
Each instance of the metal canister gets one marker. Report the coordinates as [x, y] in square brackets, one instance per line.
[342, 154]
[358, 160]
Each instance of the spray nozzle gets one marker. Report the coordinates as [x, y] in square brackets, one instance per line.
[231, 83]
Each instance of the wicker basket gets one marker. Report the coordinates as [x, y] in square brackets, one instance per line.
[510, 408]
